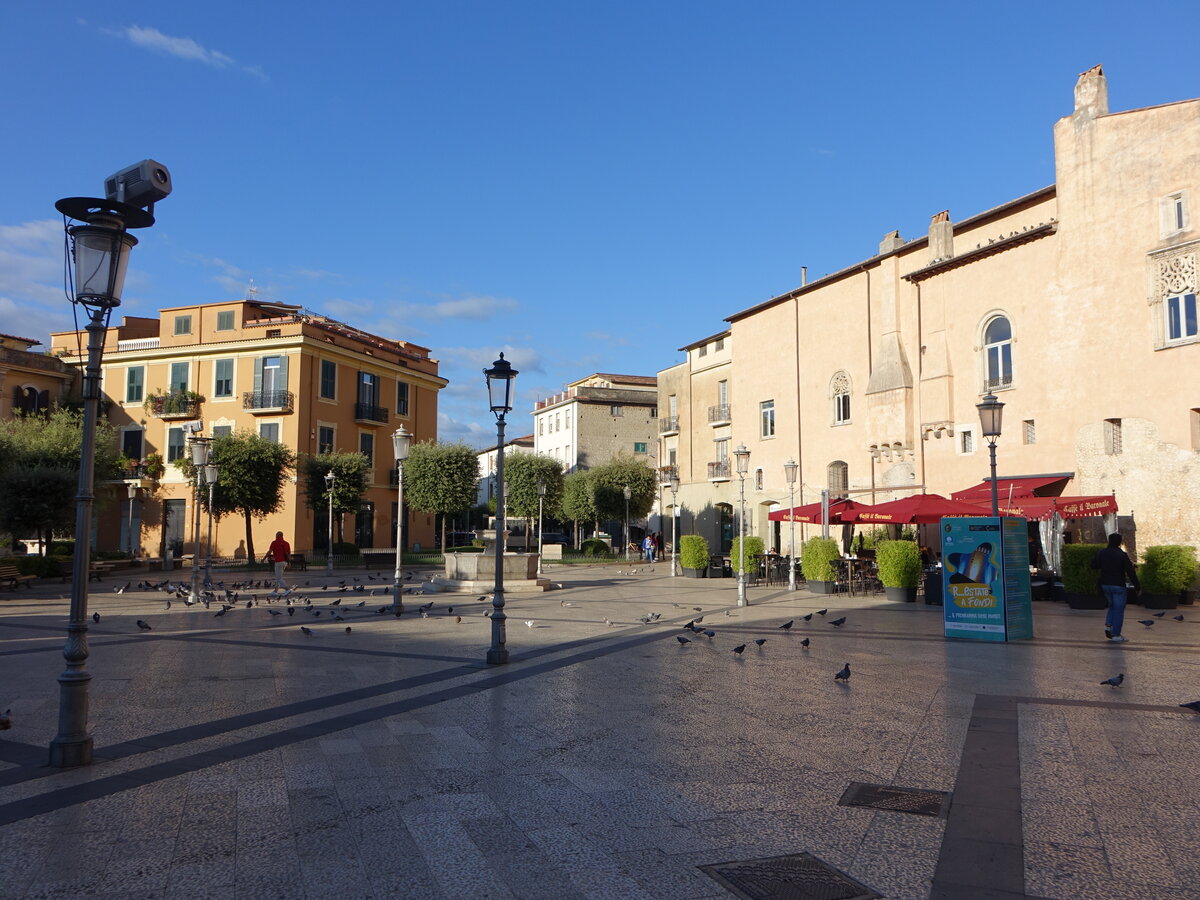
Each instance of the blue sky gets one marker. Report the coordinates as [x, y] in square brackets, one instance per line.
[585, 186]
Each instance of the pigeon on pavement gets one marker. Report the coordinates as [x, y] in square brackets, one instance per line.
[682, 640]
[804, 643]
[96, 618]
[739, 648]
[787, 626]
[1159, 615]
[838, 623]
[1178, 618]
[807, 618]
[1146, 622]
[821, 612]
[306, 630]
[843, 675]
[1115, 681]
[760, 641]
[145, 626]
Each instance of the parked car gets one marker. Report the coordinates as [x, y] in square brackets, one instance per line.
[555, 537]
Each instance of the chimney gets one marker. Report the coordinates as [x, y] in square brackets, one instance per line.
[1091, 94]
[941, 237]
[891, 241]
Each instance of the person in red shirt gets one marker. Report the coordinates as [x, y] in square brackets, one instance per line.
[280, 552]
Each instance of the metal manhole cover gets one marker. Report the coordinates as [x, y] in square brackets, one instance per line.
[800, 876]
[897, 799]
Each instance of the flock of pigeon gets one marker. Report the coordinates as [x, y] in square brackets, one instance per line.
[1117, 680]
[694, 627]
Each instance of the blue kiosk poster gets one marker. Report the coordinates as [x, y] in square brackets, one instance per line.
[985, 579]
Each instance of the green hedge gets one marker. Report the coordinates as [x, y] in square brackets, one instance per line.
[594, 547]
[754, 552]
[1168, 569]
[899, 563]
[693, 551]
[817, 557]
[1077, 573]
[42, 566]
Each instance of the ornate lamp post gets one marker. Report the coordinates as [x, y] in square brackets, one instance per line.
[401, 442]
[674, 518]
[541, 501]
[789, 472]
[330, 480]
[628, 494]
[500, 378]
[990, 413]
[210, 478]
[132, 490]
[743, 466]
[198, 447]
[100, 251]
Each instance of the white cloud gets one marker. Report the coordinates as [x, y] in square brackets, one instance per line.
[183, 48]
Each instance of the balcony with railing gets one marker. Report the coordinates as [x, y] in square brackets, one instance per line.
[719, 415]
[175, 405]
[668, 425]
[259, 403]
[666, 473]
[719, 470]
[999, 383]
[367, 414]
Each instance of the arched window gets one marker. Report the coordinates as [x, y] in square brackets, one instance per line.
[997, 354]
[838, 478]
[839, 391]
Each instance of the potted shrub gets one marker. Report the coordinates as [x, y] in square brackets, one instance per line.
[693, 555]
[816, 562]
[754, 554]
[1166, 572]
[899, 569]
[1081, 582]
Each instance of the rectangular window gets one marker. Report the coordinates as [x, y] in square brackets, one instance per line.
[841, 409]
[269, 431]
[174, 444]
[402, 398]
[366, 446]
[672, 406]
[1030, 431]
[328, 379]
[325, 439]
[567, 420]
[557, 422]
[179, 376]
[759, 480]
[702, 350]
[616, 411]
[135, 384]
[1181, 317]
[225, 320]
[1194, 419]
[131, 443]
[222, 431]
[720, 345]
[722, 449]
[1174, 214]
[541, 426]
[183, 324]
[1112, 436]
[966, 440]
[766, 419]
[639, 447]
[723, 393]
[654, 412]
[223, 378]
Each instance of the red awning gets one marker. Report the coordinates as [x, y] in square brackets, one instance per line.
[1012, 488]
[810, 513]
[1067, 507]
[919, 509]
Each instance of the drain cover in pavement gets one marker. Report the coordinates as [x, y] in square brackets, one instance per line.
[798, 877]
[897, 799]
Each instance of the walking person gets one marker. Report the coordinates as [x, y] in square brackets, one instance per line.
[279, 553]
[1115, 569]
[648, 547]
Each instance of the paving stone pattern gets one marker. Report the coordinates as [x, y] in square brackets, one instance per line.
[237, 757]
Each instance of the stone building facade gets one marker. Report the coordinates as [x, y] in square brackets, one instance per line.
[32, 382]
[1075, 304]
[597, 418]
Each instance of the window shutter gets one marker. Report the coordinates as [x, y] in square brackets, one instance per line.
[283, 383]
[258, 369]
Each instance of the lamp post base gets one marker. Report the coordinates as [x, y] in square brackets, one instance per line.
[497, 657]
[69, 754]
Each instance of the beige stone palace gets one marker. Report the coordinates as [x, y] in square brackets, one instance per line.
[310, 382]
[1075, 304]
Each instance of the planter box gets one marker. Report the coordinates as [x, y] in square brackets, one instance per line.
[695, 573]
[822, 587]
[900, 594]
[1159, 601]
[933, 589]
[1086, 601]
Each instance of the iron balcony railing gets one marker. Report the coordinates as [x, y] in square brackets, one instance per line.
[175, 405]
[992, 384]
[718, 414]
[668, 425]
[365, 412]
[719, 470]
[666, 473]
[264, 400]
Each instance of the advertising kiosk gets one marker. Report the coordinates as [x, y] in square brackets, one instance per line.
[985, 579]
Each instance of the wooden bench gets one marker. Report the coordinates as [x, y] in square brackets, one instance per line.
[12, 576]
[97, 569]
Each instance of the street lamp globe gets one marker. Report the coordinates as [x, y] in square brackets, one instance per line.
[500, 379]
[401, 442]
[991, 413]
[329, 479]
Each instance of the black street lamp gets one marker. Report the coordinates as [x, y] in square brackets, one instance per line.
[100, 250]
[789, 472]
[330, 480]
[211, 473]
[628, 494]
[991, 412]
[199, 447]
[674, 517]
[401, 442]
[500, 378]
[132, 490]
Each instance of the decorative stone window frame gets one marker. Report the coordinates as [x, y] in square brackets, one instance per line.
[1171, 208]
[1171, 272]
[840, 387]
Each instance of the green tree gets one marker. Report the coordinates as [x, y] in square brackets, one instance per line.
[253, 472]
[522, 472]
[350, 471]
[576, 502]
[441, 478]
[608, 483]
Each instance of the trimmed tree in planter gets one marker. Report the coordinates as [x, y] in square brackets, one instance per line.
[693, 555]
[816, 561]
[1080, 581]
[899, 569]
[1167, 571]
[754, 552]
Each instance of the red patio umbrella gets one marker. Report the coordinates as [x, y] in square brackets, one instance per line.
[810, 513]
[1067, 507]
[919, 509]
